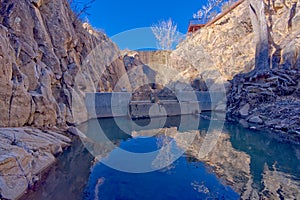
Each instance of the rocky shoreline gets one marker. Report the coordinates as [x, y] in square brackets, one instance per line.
[269, 101]
[25, 153]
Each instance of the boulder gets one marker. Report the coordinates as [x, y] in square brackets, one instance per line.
[221, 107]
[244, 111]
[255, 119]
[25, 153]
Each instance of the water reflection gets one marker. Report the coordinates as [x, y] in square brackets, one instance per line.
[254, 164]
[67, 178]
[241, 164]
[274, 165]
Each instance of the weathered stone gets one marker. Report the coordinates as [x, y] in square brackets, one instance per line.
[37, 3]
[221, 107]
[74, 131]
[256, 120]
[25, 153]
[244, 111]
[221, 50]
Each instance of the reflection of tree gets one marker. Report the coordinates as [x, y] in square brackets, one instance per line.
[229, 164]
[200, 187]
[165, 157]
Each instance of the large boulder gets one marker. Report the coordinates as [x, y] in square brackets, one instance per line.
[25, 153]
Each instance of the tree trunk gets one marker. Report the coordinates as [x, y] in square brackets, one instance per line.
[260, 29]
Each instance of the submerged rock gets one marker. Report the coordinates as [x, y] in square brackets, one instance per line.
[244, 123]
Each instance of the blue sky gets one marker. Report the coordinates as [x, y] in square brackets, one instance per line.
[115, 16]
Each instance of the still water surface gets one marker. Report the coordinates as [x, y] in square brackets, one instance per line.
[242, 163]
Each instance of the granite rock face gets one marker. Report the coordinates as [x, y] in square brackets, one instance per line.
[219, 51]
[25, 154]
[272, 96]
[212, 55]
[48, 61]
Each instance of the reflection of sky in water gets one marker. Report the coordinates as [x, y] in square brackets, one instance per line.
[240, 153]
[181, 180]
[192, 178]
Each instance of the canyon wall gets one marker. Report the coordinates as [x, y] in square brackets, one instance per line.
[48, 61]
[225, 48]
[270, 99]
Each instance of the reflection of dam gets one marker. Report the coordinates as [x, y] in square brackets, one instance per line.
[118, 104]
[254, 164]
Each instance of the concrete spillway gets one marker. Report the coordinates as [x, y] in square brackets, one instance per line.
[118, 104]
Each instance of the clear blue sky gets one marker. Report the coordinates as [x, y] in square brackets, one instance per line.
[115, 16]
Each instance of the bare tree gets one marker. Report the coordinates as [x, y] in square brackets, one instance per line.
[205, 12]
[261, 32]
[80, 7]
[227, 4]
[166, 34]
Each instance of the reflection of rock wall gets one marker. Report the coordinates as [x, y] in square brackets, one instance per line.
[234, 167]
[46, 65]
[278, 184]
[231, 165]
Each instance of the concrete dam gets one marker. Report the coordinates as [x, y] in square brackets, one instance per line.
[119, 104]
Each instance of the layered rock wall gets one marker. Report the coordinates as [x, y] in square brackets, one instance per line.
[48, 61]
[25, 154]
[221, 50]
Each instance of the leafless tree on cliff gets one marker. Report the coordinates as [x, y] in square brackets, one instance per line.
[261, 32]
[166, 34]
[227, 4]
[207, 12]
[80, 8]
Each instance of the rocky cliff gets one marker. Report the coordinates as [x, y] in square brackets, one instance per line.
[222, 51]
[214, 54]
[48, 61]
[225, 48]
[219, 51]
[270, 99]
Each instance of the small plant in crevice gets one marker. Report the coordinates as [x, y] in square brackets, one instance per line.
[14, 142]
